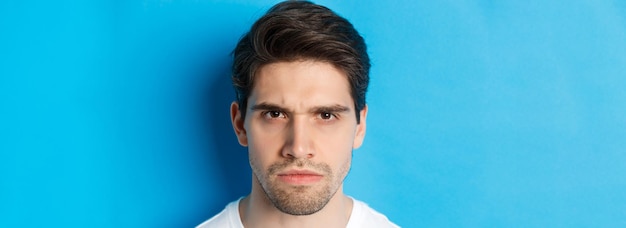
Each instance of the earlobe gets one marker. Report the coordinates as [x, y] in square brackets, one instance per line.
[360, 129]
[238, 123]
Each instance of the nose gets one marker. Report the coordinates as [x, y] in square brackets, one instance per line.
[299, 139]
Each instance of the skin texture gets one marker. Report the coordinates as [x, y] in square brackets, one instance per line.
[300, 130]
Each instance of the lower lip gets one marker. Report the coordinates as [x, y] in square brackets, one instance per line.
[300, 179]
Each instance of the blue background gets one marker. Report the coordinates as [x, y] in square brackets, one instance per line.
[482, 113]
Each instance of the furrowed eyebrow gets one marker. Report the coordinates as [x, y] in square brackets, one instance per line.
[330, 109]
[318, 109]
[267, 106]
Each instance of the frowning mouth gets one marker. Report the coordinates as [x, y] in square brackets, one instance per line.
[300, 177]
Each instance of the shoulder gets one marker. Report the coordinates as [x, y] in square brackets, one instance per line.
[229, 217]
[365, 216]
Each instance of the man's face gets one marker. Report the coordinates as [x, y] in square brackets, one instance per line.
[300, 128]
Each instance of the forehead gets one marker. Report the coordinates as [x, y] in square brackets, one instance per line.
[301, 84]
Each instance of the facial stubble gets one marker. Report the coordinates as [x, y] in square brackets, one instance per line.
[300, 200]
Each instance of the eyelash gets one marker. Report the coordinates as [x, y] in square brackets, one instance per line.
[268, 115]
[332, 116]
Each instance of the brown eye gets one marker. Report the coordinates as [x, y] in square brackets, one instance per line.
[274, 114]
[326, 115]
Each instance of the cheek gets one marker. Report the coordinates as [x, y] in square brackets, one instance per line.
[265, 132]
[264, 144]
[336, 147]
[339, 137]
[338, 143]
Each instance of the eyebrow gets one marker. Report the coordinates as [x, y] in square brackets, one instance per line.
[336, 108]
[268, 106]
[330, 109]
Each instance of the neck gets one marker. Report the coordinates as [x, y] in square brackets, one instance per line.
[256, 210]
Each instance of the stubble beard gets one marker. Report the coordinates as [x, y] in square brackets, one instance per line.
[300, 200]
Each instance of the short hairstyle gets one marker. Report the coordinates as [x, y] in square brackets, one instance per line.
[301, 30]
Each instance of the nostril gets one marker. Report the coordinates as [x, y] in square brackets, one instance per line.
[288, 153]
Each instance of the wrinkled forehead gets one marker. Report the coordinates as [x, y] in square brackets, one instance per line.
[300, 85]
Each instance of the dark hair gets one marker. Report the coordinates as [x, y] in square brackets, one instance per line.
[301, 30]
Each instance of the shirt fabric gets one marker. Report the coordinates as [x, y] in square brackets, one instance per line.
[362, 216]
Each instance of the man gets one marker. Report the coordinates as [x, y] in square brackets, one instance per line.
[300, 76]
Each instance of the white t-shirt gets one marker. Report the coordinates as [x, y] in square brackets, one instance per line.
[362, 216]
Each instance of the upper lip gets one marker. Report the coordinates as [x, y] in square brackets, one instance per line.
[299, 172]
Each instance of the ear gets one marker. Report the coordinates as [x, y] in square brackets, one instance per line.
[238, 123]
[360, 129]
